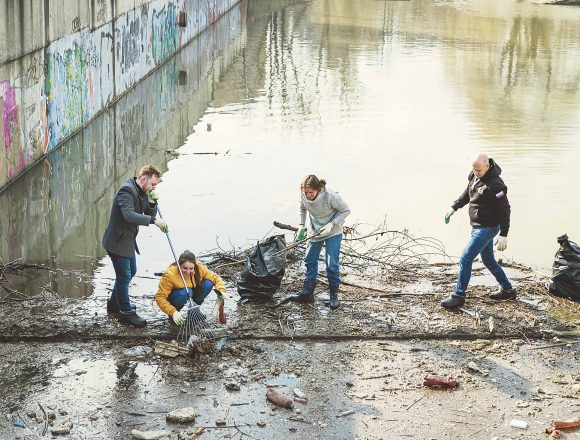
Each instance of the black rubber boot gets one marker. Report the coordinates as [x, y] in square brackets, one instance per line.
[306, 295]
[113, 309]
[132, 319]
[334, 303]
[504, 294]
[453, 302]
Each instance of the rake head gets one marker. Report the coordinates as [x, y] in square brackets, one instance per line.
[199, 332]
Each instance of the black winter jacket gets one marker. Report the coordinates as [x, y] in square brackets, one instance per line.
[130, 209]
[487, 198]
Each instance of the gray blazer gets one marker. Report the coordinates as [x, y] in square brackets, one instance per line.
[130, 209]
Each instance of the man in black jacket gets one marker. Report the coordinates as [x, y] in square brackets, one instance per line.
[135, 204]
[489, 214]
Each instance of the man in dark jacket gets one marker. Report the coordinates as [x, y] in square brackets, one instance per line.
[489, 213]
[135, 204]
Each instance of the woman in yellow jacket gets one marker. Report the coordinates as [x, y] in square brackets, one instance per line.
[172, 296]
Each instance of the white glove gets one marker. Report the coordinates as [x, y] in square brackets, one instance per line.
[501, 243]
[162, 224]
[325, 230]
[178, 317]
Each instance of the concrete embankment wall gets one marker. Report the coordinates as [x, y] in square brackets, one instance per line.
[62, 62]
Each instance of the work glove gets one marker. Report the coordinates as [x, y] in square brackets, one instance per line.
[152, 196]
[448, 215]
[326, 229]
[501, 243]
[162, 224]
[301, 233]
[178, 317]
[220, 295]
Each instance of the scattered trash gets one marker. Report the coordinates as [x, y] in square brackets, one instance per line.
[553, 433]
[520, 424]
[576, 388]
[20, 424]
[138, 351]
[566, 424]
[303, 400]
[182, 415]
[434, 380]
[473, 367]
[346, 413]
[62, 429]
[170, 349]
[220, 422]
[261, 423]
[150, 435]
[298, 393]
[566, 270]
[199, 431]
[490, 324]
[279, 399]
[232, 386]
[220, 344]
[264, 269]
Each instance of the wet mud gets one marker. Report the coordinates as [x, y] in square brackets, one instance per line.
[360, 367]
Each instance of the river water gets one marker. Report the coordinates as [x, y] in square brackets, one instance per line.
[387, 100]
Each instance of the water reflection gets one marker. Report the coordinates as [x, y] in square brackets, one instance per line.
[386, 99]
[61, 218]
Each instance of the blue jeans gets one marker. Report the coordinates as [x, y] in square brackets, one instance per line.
[332, 245]
[481, 243]
[179, 297]
[125, 270]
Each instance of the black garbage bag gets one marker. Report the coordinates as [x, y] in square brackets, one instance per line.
[263, 272]
[566, 270]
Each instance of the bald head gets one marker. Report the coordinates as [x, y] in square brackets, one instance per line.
[480, 165]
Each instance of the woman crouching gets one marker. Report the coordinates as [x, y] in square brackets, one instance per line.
[199, 280]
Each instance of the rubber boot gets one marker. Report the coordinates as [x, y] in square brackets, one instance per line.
[306, 295]
[334, 303]
[453, 302]
[113, 308]
[504, 294]
[132, 319]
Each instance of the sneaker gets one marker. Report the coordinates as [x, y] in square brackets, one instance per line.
[504, 294]
[132, 319]
[453, 302]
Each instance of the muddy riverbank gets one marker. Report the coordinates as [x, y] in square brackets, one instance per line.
[513, 360]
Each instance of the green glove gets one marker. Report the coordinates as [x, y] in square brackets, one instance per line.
[220, 295]
[301, 233]
[448, 215]
[152, 196]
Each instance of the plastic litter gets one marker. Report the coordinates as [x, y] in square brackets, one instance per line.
[436, 381]
[566, 424]
[346, 413]
[279, 399]
[520, 424]
[298, 393]
[263, 270]
[20, 424]
[566, 270]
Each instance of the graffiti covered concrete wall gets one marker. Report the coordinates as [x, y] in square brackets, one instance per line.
[63, 72]
[63, 217]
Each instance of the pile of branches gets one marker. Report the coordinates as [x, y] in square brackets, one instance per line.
[370, 250]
